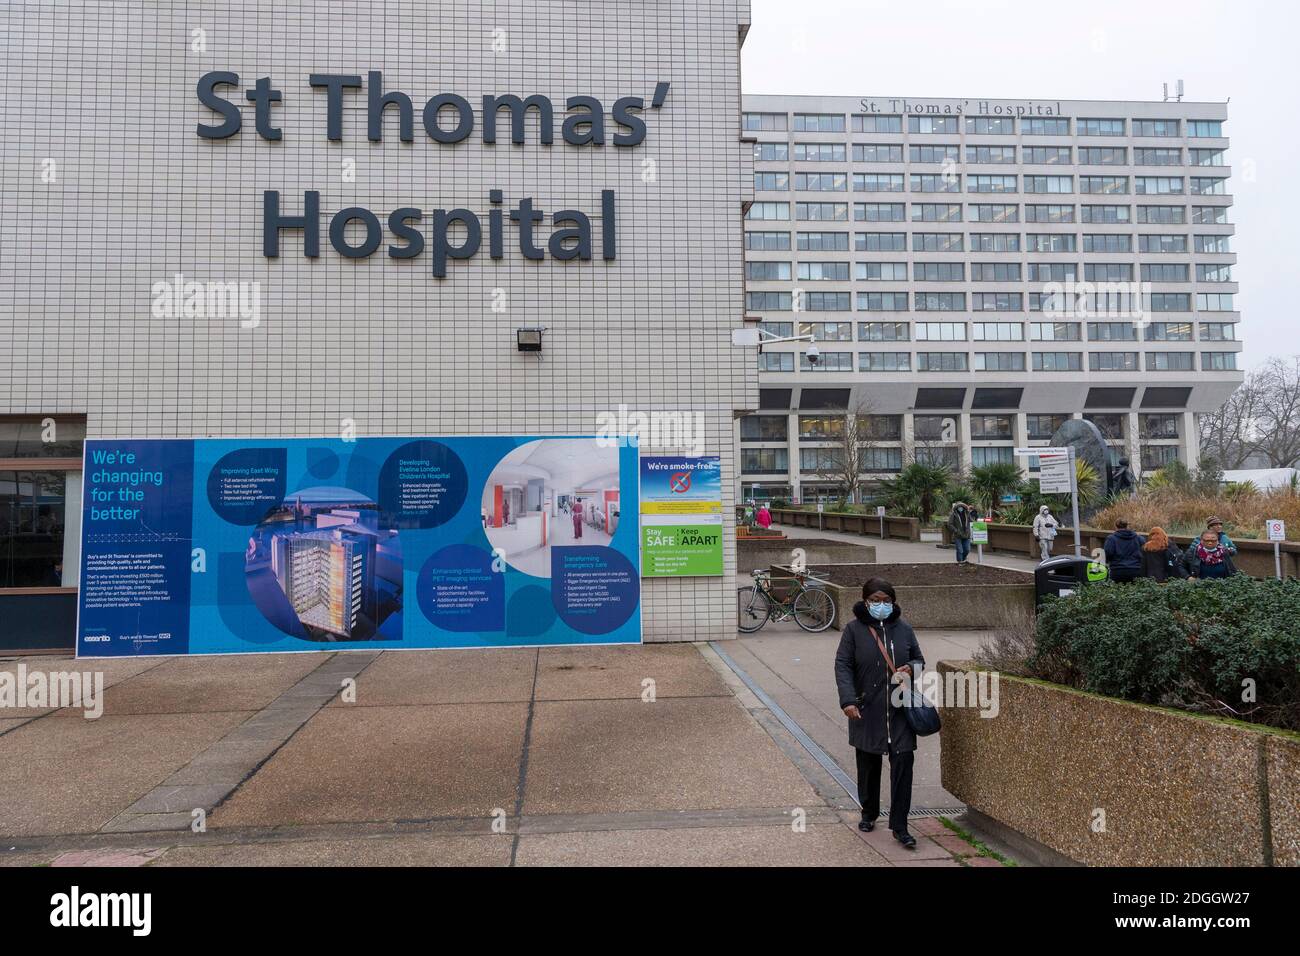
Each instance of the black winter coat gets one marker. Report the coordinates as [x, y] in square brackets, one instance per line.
[863, 679]
[1163, 565]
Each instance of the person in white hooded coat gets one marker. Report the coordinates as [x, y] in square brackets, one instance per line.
[1045, 529]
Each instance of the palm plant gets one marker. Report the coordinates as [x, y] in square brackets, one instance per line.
[1024, 510]
[1173, 477]
[918, 488]
[1088, 482]
[990, 482]
[1239, 490]
[959, 490]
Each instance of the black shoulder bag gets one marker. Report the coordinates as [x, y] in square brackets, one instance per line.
[921, 715]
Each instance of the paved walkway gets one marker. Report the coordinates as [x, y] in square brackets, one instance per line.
[911, 552]
[640, 755]
[634, 755]
[796, 669]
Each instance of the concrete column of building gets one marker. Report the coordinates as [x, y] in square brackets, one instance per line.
[1190, 433]
[1020, 432]
[909, 437]
[792, 455]
[963, 438]
[1134, 443]
[738, 456]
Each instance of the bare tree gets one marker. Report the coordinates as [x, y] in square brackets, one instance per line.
[842, 463]
[1261, 417]
[1278, 428]
[1228, 434]
[937, 442]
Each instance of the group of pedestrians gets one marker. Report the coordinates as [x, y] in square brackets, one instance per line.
[757, 516]
[962, 516]
[1130, 555]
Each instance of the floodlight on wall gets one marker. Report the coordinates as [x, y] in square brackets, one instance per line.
[529, 340]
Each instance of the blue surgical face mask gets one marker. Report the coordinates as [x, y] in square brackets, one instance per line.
[880, 610]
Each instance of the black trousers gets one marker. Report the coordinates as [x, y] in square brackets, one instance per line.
[900, 787]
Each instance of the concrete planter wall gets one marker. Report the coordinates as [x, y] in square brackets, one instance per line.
[954, 606]
[901, 529]
[754, 553]
[1176, 789]
[1253, 557]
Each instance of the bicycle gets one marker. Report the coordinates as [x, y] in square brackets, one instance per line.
[812, 608]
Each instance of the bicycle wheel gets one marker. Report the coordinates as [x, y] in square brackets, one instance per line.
[753, 609]
[814, 609]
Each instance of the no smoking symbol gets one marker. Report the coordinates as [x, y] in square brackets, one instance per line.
[680, 482]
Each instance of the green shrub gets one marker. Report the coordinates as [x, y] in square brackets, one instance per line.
[990, 482]
[916, 491]
[959, 490]
[1195, 645]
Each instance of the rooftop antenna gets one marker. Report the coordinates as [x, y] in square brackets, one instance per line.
[1178, 95]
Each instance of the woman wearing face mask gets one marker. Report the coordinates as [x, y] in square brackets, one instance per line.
[1209, 558]
[877, 651]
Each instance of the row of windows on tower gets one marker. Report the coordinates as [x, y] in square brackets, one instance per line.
[1166, 128]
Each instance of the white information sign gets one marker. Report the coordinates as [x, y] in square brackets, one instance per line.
[1054, 476]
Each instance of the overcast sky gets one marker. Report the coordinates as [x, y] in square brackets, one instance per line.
[1243, 52]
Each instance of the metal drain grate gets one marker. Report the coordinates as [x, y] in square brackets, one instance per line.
[823, 758]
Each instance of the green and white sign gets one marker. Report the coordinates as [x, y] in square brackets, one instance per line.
[979, 532]
[680, 549]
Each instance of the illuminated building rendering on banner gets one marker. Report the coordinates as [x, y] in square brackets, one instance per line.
[323, 574]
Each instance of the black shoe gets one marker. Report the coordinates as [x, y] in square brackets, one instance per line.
[866, 826]
[905, 838]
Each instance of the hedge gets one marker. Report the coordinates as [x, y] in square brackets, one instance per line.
[1198, 645]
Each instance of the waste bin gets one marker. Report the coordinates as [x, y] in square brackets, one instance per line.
[1065, 575]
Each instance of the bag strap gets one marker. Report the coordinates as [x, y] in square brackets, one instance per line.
[889, 662]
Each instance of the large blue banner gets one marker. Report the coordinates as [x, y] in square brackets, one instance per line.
[218, 546]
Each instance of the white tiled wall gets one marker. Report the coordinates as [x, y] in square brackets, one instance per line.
[106, 91]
